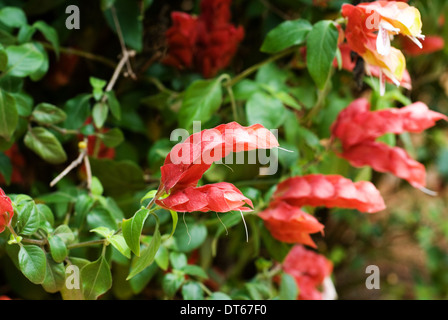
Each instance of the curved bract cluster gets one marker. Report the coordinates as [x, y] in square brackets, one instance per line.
[6, 210]
[370, 26]
[357, 128]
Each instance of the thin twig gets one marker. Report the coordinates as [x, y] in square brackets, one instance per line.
[88, 172]
[72, 165]
[122, 43]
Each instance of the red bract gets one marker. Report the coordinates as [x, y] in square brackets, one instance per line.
[290, 224]
[430, 44]
[357, 127]
[309, 269]
[6, 210]
[383, 158]
[357, 123]
[181, 39]
[218, 197]
[187, 161]
[206, 43]
[330, 191]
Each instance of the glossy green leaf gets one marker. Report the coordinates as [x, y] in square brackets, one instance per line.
[147, 255]
[132, 230]
[112, 138]
[99, 114]
[54, 276]
[13, 17]
[193, 270]
[77, 110]
[118, 242]
[288, 288]
[9, 117]
[201, 100]
[322, 44]
[46, 114]
[33, 263]
[96, 278]
[192, 291]
[162, 258]
[171, 282]
[266, 110]
[23, 60]
[46, 145]
[285, 35]
[49, 33]
[114, 104]
[58, 249]
[28, 218]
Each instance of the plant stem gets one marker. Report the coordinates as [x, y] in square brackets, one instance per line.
[83, 54]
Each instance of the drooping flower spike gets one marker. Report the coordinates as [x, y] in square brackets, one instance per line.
[187, 161]
[310, 270]
[357, 128]
[288, 223]
[6, 210]
[370, 26]
[331, 191]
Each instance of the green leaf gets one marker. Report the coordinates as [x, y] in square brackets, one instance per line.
[193, 270]
[118, 242]
[58, 249]
[77, 110]
[201, 100]
[33, 263]
[3, 60]
[189, 239]
[192, 291]
[171, 282]
[40, 73]
[101, 217]
[285, 35]
[24, 103]
[28, 218]
[147, 255]
[13, 17]
[54, 277]
[23, 60]
[49, 33]
[96, 187]
[118, 177]
[219, 296]
[9, 117]
[162, 258]
[288, 288]
[97, 85]
[46, 113]
[96, 278]
[149, 195]
[99, 114]
[322, 44]
[114, 104]
[65, 233]
[175, 218]
[266, 110]
[132, 230]
[103, 231]
[46, 145]
[178, 260]
[112, 138]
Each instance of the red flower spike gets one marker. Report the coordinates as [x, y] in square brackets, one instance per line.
[309, 269]
[187, 161]
[218, 197]
[357, 127]
[290, 224]
[6, 210]
[330, 191]
[206, 43]
[356, 123]
[383, 158]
